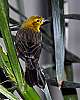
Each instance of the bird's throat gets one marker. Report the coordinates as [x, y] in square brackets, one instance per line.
[34, 29]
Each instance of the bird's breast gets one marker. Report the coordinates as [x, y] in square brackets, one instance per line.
[30, 36]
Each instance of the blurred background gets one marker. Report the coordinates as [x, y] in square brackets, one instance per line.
[72, 38]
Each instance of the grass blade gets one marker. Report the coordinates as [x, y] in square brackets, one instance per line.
[27, 92]
[7, 93]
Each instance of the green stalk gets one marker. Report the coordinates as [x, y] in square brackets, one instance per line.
[9, 44]
[27, 92]
[7, 93]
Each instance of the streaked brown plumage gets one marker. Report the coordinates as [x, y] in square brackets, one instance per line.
[28, 44]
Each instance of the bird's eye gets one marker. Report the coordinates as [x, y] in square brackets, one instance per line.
[38, 20]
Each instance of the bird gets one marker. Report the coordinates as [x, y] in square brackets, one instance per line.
[28, 45]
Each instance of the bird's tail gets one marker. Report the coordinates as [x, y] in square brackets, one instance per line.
[34, 76]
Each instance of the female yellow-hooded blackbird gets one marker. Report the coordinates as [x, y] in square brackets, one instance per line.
[28, 44]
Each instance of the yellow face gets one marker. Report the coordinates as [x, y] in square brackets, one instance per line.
[33, 22]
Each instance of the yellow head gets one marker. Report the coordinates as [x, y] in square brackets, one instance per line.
[34, 23]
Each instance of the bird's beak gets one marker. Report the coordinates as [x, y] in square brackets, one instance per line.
[45, 21]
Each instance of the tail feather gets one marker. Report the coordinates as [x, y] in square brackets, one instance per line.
[35, 77]
[41, 79]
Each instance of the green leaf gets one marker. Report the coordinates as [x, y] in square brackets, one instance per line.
[5, 64]
[9, 44]
[28, 92]
[6, 6]
[8, 94]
